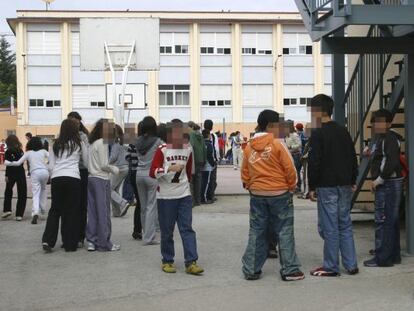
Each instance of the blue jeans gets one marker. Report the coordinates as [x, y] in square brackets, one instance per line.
[127, 188]
[335, 227]
[379, 215]
[390, 249]
[276, 212]
[177, 211]
[298, 165]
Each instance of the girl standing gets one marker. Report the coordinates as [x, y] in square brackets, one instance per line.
[37, 159]
[64, 159]
[98, 229]
[14, 175]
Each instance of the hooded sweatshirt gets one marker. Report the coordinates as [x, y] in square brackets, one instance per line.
[146, 147]
[199, 148]
[268, 168]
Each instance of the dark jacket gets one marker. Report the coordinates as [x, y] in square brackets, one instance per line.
[199, 149]
[14, 155]
[209, 152]
[386, 157]
[332, 157]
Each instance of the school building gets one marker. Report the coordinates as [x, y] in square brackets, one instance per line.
[224, 66]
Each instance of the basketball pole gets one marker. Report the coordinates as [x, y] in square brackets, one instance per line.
[124, 81]
[114, 101]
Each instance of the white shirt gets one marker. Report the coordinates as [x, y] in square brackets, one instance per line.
[36, 159]
[66, 165]
[98, 162]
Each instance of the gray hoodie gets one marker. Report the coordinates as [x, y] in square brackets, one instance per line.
[146, 147]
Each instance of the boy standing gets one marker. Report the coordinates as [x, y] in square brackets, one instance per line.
[172, 166]
[207, 186]
[268, 172]
[386, 171]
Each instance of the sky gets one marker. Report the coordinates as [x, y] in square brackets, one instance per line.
[8, 7]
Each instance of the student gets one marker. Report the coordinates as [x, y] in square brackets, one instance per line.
[333, 169]
[269, 174]
[294, 144]
[146, 146]
[207, 186]
[98, 229]
[67, 150]
[14, 175]
[172, 166]
[83, 170]
[117, 158]
[199, 150]
[28, 137]
[236, 149]
[388, 181]
[208, 125]
[37, 159]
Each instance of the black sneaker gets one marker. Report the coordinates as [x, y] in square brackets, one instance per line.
[295, 276]
[353, 271]
[273, 254]
[46, 247]
[370, 263]
[372, 252]
[137, 236]
[34, 219]
[252, 277]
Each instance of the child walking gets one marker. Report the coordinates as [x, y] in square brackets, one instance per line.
[172, 166]
[98, 229]
[64, 159]
[37, 159]
[14, 175]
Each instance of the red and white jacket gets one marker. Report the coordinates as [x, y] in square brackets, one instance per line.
[172, 185]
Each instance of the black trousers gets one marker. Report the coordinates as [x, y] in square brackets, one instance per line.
[137, 212]
[214, 181]
[206, 186]
[66, 193]
[20, 180]
[83, 203]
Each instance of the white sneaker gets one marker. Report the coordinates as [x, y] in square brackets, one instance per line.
[6, 215]
[18, 218]
[125, 210]
[91, 247]
[115, 247]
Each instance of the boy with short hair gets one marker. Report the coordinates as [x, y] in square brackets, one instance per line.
[173, 166]
[386, 171]
[206, 184]
[268, 172]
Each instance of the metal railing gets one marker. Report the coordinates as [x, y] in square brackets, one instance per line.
[363, 86]
[316, 5]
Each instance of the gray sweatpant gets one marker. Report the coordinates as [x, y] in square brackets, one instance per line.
[147, 191]
[118, 202]
[98, 229]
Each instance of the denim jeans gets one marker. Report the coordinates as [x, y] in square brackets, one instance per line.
[177, 211]
[335, 227]
[298, 165]
[379, 215]
[276, 212]
[390, 250]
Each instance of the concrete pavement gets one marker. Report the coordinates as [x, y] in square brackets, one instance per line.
[132, 280]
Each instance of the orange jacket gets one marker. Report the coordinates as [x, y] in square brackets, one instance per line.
[268, 165]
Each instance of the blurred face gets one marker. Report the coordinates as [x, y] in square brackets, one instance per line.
[380, 126]
[108, 134]
[316, 117]
[175, 135]
[76, 121]
[274, 128]
[130, 133]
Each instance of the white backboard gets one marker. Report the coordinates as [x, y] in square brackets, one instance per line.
[119, 33]
[135, 96]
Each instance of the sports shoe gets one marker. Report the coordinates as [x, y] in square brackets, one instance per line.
[321, 271]
[6, 215]
[46, 247]
[168, 268]
[91, 247]
[34, 219]
[272, 254]
[125, 209]
[194, 269]
[207, 202]
[19, 218]
[372, 252]
[252, 277]
[137, 235]
[372, 263]
[353, 271]
[295, 276]
[115, 248]
[80, 244]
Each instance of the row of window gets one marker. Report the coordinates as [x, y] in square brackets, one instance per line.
[183, 49]
[174, 95]
[216, 103]
[303, 101]
[44, 103]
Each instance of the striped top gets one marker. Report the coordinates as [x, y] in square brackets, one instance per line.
[132, 157]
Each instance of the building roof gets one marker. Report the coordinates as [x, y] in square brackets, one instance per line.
[42, 16]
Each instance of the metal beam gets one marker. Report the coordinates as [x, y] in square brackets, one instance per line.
[409, 148]
[364, 45]
[338, 83]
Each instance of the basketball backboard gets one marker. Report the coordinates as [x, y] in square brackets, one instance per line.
[119, 34]
[134, 97]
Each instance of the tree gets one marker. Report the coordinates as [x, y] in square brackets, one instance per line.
[7, 70]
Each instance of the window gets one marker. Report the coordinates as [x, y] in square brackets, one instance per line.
[264, 52]
[36, 103]
[223, 51]
[207, 50]
[305, 49]
[181, 49]
[49, 103]
[174, 95]
[97, 104]
[289, 51]
[304, 101]
[289, 101]
[248, 51]
[213, 103]
[165, 49]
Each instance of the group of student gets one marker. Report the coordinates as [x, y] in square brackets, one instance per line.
[173, 167]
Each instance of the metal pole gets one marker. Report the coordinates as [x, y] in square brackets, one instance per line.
[381, 86]
[114, 99]
[338, 83]
[361, 104]
[124, 80]
[409, 148]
